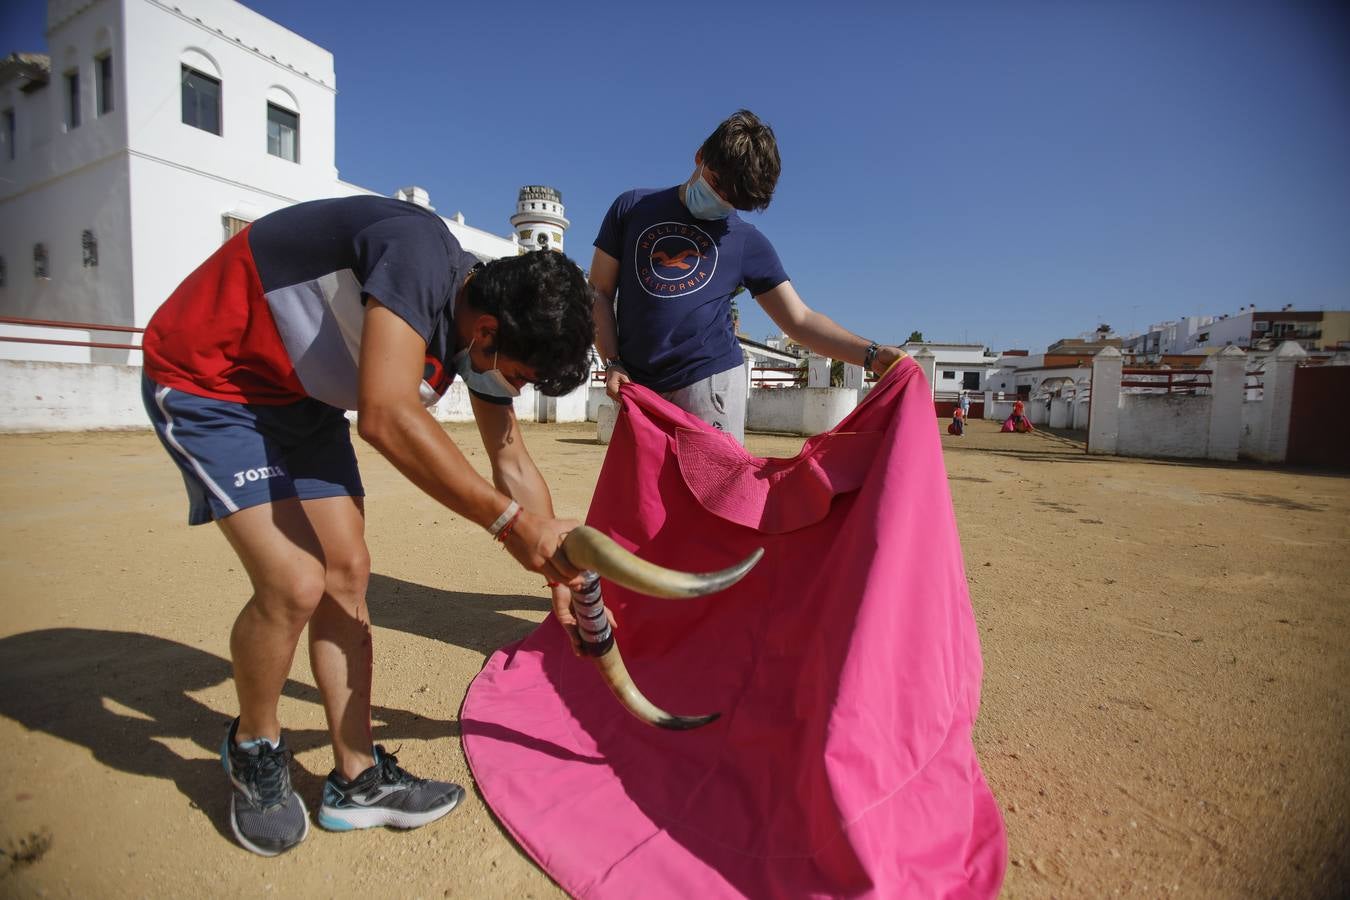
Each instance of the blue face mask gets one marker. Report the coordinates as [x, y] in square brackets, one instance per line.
[491, 383]
[703, 202]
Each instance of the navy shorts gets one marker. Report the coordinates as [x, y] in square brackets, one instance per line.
[237, 455]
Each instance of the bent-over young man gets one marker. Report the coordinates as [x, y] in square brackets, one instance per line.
[366, 304]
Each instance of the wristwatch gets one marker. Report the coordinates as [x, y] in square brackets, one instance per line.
[613, 363]
[870, 356]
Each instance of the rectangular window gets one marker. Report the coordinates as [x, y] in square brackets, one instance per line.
[970, 381]
[72, 100]
[201, 100]
[283, 132]
[949, 375]
[9, 133]
[103, 85]
[233, 225]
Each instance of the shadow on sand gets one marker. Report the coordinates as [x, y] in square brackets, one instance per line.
[121, 695]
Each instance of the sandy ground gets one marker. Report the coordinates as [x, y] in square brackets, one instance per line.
[1167, 661]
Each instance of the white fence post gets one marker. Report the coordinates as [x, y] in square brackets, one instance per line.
[1277, 401]
[1227, 380]
[853, 376]
[927, 362]
[817, 372]
[989, 405]
[1104, 402]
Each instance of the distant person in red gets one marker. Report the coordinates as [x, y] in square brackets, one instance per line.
[958, 426]
[1018, 421]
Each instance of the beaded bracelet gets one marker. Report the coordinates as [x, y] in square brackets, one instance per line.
[506, 529]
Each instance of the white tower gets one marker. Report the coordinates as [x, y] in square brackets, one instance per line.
[539, 221]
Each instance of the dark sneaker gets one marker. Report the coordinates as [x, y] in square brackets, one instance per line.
[266, 815]
[384, 794]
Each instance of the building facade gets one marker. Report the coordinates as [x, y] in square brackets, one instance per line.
[958, 367]
[150, 134]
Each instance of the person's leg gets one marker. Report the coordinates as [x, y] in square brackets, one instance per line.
[367, 788]
[340, 652]
[718, 400]
[284, 559]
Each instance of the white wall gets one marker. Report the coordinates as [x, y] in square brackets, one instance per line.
[54, 396]
[94, 198]
[1254, 420]
[798, 410]
[1203, 426]
[44, 396]
[1164, 425]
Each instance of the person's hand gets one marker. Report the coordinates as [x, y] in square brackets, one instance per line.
[615, 377]
[536, 543]
[885, 358]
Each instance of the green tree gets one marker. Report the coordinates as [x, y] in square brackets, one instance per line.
[915, 337]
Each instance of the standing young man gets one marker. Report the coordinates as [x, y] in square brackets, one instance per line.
[363, 303]
[676, 256]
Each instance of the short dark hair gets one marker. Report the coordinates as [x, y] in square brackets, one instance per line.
[543, 308]
[743, 156]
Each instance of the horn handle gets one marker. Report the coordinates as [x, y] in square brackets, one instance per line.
[597, 642]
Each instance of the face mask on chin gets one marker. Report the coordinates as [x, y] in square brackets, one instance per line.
[703, 202]
[491, 383]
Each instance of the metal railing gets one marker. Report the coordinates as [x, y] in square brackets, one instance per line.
[759, 380]
[79, 326]
[1169, 381]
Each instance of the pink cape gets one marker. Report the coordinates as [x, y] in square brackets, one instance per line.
[846, 667]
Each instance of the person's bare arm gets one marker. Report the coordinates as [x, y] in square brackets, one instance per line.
[516, 475]
[818, 332]
[392, 419]
[604, 279]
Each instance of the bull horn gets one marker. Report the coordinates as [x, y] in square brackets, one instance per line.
[621, 683]
[594, 551]
[587, 548]
[597, 642]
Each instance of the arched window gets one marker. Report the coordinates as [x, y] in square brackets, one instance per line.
[40, 269]
[89, 248]
[283, 124]
[199, 77]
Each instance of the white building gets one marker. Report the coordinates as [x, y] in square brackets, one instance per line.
[959, 367]
[151, 133]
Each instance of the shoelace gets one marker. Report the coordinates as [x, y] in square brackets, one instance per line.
[271, 777]
[389, 768]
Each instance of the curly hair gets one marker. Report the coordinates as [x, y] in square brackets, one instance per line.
[742, 153]
[543, 308]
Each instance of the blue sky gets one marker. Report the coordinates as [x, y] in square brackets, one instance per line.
[997, 172]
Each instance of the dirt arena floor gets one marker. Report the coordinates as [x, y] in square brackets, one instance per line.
[1166, 648]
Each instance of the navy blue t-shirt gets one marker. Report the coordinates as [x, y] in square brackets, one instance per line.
[676, 277]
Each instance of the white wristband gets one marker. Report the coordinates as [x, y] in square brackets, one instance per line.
[511, 509]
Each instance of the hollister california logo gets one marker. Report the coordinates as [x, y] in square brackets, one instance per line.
[673, 259]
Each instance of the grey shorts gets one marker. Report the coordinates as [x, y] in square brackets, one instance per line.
[718, 400]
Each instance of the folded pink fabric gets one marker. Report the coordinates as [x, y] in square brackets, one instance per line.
[846, 667]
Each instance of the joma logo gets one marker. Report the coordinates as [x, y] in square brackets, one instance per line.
[258, 474]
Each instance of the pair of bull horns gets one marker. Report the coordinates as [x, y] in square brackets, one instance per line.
[587, 548]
